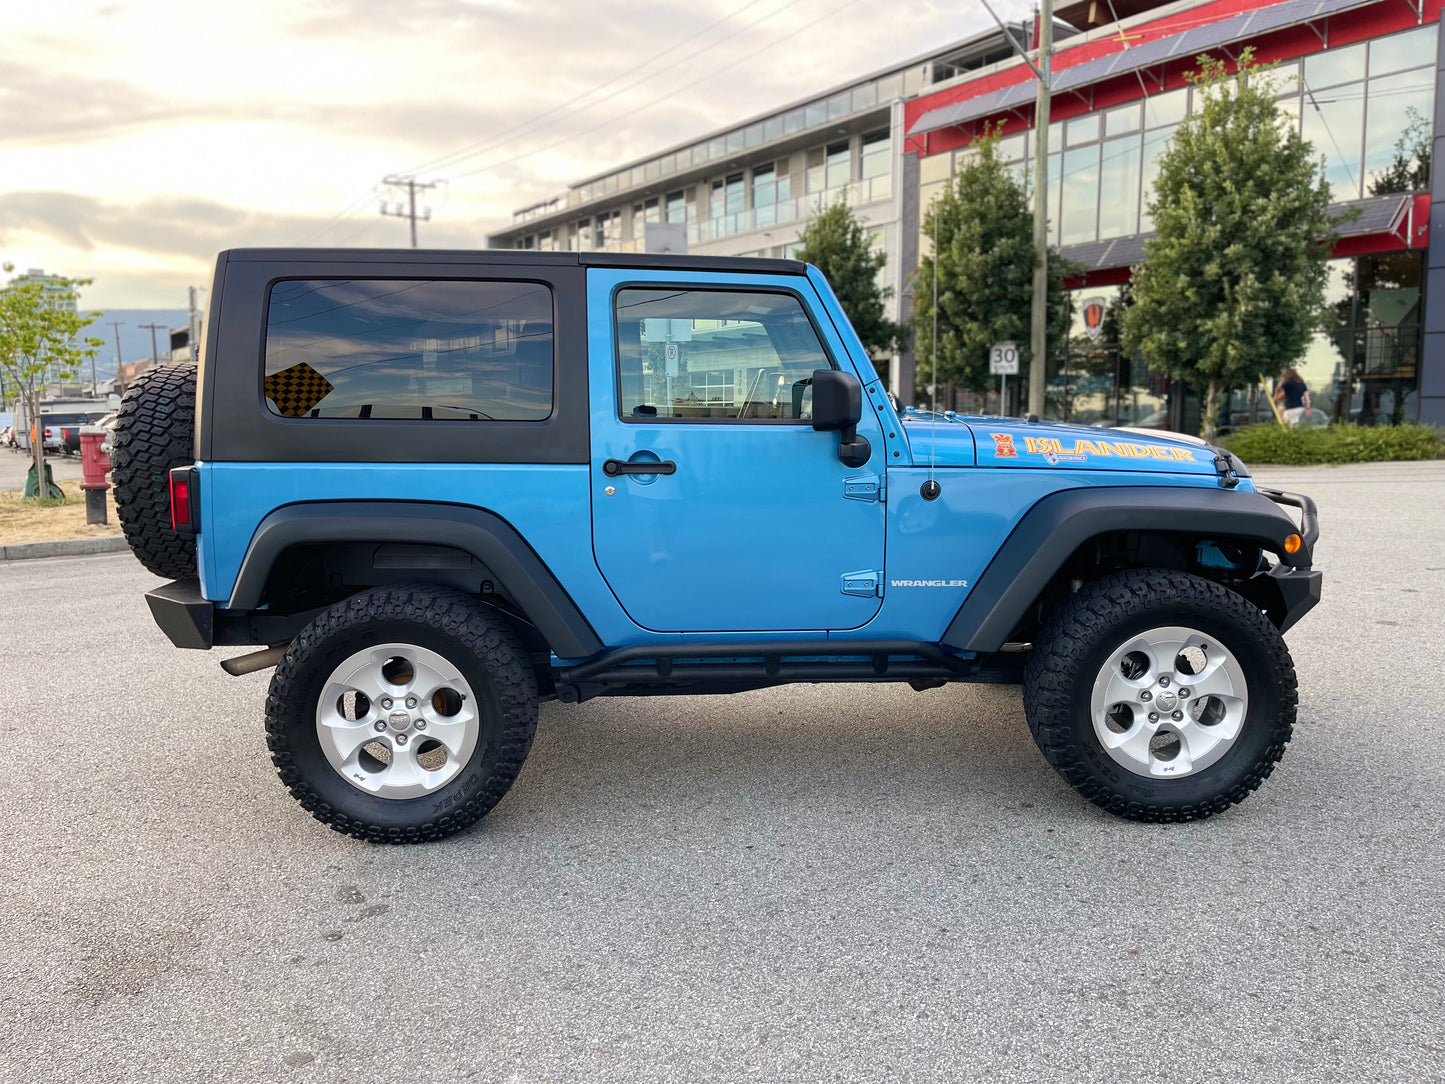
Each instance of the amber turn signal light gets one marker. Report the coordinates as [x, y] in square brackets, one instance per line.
[1292, 543]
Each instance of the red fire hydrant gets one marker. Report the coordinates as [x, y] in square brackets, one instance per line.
[94, 466]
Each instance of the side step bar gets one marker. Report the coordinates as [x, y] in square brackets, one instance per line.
[653, 668]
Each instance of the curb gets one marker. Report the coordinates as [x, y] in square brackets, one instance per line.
[72, 547]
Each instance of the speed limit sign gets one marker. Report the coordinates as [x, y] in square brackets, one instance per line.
[1003, 359]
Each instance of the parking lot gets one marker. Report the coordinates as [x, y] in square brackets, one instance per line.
[819, 883]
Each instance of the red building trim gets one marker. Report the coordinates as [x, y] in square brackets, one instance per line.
[1289, 43]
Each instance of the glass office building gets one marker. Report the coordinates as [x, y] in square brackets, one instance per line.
[748, 190]
[1358, 78]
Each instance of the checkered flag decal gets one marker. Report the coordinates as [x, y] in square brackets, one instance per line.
[297, 390]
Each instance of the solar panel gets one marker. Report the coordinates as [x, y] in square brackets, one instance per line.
[1377, 215]
[1188, 44]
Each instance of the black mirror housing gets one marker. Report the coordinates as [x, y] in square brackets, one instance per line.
[837, 400]
[838, 408]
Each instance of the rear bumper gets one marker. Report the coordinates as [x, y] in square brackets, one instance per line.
[187, 619]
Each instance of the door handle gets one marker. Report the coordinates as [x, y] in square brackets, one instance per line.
[613, 467]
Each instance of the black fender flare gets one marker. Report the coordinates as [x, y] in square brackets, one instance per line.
[1057, 525]
[486, 536]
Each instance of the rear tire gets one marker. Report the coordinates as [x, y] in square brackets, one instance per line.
[402, 655]
[154, 432]
[1160, 696]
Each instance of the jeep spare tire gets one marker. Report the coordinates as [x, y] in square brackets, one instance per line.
[155, 431]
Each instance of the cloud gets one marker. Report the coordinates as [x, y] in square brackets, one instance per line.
[192, 229]
[40, 105]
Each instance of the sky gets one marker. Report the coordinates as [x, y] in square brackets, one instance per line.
[138, 139]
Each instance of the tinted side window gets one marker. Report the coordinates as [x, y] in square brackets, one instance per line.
[715, 355]
[425, 349]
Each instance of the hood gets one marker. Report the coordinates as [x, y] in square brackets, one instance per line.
[1011, 442]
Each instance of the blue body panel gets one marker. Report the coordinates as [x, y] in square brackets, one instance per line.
[753, 536]
[938, 549]
[541, 502]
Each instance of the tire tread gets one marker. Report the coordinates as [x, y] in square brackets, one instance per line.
[1055, 668]
[479, 629]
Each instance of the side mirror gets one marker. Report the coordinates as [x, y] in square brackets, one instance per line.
[838, 407]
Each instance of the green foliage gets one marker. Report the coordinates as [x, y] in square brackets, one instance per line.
[1409, 170]
[1234, 282]
[835, 242]
[1309, 445]
[39, 331]
[983, 226]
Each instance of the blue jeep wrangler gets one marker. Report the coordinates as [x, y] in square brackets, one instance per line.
[437, 488]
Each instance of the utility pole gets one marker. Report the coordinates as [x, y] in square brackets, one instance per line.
[411, 184]
[155, 357]
[195, 326]
[1039, 316]
[119, 360]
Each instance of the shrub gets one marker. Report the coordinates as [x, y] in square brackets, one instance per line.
[1307, 445]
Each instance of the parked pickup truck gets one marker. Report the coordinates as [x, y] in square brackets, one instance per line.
[437, 488]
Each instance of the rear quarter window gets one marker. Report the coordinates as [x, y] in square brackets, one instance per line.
[424, 350]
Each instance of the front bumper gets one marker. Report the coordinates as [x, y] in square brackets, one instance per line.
[1299, 584]
[1299, 590]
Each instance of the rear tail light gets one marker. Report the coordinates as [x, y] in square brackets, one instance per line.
[185, 501]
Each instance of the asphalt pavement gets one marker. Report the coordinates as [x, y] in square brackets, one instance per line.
[820, 883]
[15, 464]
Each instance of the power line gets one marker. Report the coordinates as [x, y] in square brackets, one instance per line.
[653, 104]
[497, 138]
[346, 212]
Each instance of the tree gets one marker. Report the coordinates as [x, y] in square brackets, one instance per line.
[835, 242]
[982, 227]
[39, 332]
[1233, 283]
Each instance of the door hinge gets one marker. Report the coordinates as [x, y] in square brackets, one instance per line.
[865, 584]
[865, 487]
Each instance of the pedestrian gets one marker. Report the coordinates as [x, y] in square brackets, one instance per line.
[1294, 395]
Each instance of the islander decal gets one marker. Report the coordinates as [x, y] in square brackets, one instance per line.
[1081, 451]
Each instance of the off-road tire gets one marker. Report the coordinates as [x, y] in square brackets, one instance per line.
[1078, 639]
[155, 431]
[472, 636]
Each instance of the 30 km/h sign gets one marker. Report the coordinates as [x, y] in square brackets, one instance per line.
[1003, 359]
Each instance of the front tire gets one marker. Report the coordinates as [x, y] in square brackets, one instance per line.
[1160, 696]
[402, 714]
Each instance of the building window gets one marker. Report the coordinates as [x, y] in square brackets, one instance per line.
[420, 349]
[726, 208]
[681, 207]
[876, 158]
[769, 190]
[840, 165]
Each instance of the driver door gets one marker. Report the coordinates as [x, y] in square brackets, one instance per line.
[744, 526]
